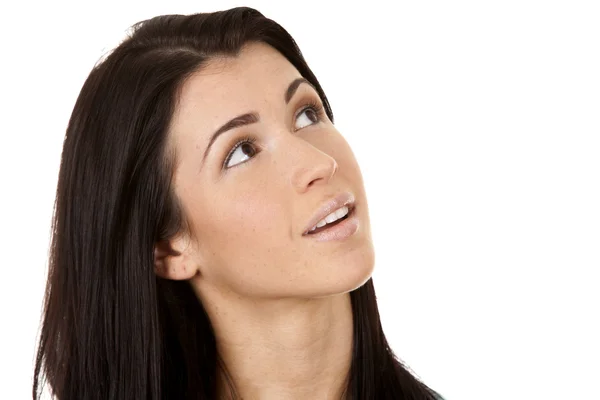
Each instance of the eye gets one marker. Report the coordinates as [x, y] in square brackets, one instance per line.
[315, 112]
[240, 152]
[245, 147]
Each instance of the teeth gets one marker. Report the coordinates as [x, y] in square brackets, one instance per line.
[334, 216]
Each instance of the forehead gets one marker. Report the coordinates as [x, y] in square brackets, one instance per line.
[229, 86]
[259, 71]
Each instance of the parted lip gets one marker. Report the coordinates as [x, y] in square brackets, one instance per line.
[338, 201]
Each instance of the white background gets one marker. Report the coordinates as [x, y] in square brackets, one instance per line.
[477, 128]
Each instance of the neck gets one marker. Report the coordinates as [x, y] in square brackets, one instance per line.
[284, 349]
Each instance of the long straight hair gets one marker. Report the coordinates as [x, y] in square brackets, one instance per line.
[111, 329]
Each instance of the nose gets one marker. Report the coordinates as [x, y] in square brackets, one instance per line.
[316, 166]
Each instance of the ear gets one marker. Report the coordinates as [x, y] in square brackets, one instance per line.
[172, 260]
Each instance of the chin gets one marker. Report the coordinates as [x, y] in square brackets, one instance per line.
[348, 276]
[359, 265]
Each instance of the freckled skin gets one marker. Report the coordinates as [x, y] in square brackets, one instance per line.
[259, 279]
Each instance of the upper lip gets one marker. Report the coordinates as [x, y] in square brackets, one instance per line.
[338, 201]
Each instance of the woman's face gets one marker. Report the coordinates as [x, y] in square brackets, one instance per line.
[247, 218]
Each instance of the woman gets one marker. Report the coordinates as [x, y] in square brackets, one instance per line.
[211, 235]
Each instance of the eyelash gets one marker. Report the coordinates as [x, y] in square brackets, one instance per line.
[312, 104]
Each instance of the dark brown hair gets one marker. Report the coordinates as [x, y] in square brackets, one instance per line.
[112, 329]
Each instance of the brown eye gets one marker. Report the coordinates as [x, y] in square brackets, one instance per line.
[311, 114]
[241, 152]
[248, 149]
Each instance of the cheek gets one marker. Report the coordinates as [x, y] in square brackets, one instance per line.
[255, 213]
[247, 226]
[349, 165]
[249, 244]
[346, 154]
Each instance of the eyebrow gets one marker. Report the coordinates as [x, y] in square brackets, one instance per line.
[253, 116]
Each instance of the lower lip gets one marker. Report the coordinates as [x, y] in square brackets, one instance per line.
[340, 231]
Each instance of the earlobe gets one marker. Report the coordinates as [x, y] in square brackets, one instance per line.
[170, 263]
